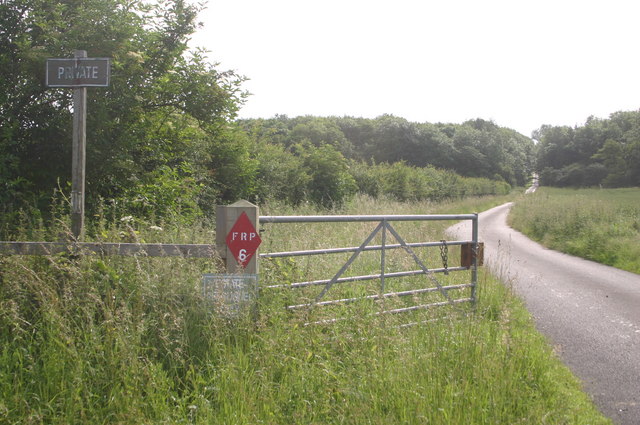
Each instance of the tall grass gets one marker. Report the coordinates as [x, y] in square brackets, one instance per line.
[130, 340]
[602, 225]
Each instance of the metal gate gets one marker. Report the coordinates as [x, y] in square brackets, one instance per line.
[448, 293]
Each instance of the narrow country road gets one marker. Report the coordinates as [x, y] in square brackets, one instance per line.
[589, 312]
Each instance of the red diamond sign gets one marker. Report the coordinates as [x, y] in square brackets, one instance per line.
[243, 240]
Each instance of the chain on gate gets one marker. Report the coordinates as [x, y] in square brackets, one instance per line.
[444, 254]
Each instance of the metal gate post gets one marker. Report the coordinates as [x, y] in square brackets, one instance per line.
[383, 265]
[474, 259]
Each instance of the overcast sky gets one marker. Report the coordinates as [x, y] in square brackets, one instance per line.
[520, 63]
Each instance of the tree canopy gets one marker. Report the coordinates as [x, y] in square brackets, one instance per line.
[600, 152]
[476, 148]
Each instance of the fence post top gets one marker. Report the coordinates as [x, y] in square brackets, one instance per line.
[243, 203]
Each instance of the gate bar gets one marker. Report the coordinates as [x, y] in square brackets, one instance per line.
[366, 277]
[354, 248]
[378, 296]
[360, 218]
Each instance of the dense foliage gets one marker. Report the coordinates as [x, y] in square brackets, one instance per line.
[304, 172]
[160, 127]
[601, 152]
[476, 148]
[327, 159]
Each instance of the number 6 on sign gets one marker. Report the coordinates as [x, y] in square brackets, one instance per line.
[242, 255]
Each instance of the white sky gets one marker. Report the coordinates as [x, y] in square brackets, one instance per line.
[520, 63]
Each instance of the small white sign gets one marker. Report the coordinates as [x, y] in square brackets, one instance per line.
[231, 294]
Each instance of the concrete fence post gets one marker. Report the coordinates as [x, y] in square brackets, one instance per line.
[237, 237]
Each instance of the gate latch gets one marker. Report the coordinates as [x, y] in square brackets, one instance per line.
[467, 254]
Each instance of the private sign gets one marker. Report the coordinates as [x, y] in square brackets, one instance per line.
[243, 240]
[78, 72]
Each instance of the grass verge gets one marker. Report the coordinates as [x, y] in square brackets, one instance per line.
[601, 225]
[130, 340]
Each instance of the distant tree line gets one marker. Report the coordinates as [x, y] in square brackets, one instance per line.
[601, 152]
[327, 159]
[476, 148]
[163, 138]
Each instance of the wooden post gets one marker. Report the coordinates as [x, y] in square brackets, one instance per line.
[78, 156]
[226, 217]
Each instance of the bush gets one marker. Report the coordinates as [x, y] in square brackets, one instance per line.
[281, 175]
[406, 183]
[166, 192]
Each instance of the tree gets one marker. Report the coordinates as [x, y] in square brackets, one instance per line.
[470, 160]
[434, 148]
[331, 184]
[602, 151]
[321, 131]
[391, 138]
[555, 148]
[281, 175]
[612, 156]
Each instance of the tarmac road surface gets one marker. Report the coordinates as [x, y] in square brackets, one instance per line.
[589, 312]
